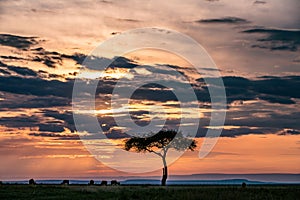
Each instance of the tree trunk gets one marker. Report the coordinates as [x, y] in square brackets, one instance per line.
[165, 173]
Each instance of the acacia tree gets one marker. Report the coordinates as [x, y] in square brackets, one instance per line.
[159, 144]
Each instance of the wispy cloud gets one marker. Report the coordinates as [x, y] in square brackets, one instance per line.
[19, 42]
[224, 20]
[259, 2]
[276, 39]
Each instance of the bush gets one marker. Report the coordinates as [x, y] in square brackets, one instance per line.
[114, 182]
[104, 183]
[31, 182]
[244, 185]
[92, 182]
[65, 182]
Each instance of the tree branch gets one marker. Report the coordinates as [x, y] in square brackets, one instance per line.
[165, 150]
[151, 151]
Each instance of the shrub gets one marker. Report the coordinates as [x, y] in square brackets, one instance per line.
[31, 182]
[114, 182]
[92, 182]
[244, 185]
[104, 183]
[65, 182]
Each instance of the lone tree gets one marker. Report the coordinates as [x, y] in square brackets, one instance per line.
[159, 144]
[31, 182]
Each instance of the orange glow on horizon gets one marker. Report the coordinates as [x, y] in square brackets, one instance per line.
[244, 154]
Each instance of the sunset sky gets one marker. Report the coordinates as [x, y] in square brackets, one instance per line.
[254, 44]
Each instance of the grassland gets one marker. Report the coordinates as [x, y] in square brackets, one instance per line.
[81, 192]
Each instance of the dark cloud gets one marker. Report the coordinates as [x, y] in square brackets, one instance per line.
[19, 121]
[52, 121]
[239, 129]
[115, 33]
[49, 58]
[92, 62]
[24, 71]
[289, 132]
[276, 39]
[276, 99]
[224, 20]
[2, 64]
[47, 61]
[273, 89]
[210, 69]
[12, 58]
[122, 62]
[3, 69]
[139, 117]
[235, 132]
[56, 128]
[19, 42]
[154, 93]
[16, 101]
[39, 54]
[259, 2]
[36, 86]
[65, 117]
[35, 92]
[58, 136]
[77, 57]
[268, 119]
[116, 134]
[284, 87]
[104, 1]
[128, 20]
[174, 72]
[242, 131]
[4, 72]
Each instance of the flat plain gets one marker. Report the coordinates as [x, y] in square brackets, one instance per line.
[122, 192]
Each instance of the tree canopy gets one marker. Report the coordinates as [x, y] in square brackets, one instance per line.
[164, 140]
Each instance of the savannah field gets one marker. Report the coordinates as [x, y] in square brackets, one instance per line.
[81, 192]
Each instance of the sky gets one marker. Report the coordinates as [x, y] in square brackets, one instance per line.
[44, 44]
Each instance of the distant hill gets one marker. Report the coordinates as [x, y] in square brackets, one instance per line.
[194, 182]
[277, 178]
[193, 179]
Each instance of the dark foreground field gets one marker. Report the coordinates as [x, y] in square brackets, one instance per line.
[74, 192]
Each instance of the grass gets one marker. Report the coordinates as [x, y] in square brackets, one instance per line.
[82, 192]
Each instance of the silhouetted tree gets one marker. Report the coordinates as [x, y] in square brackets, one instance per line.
[92, 182]
[114, 182]
[159, 144]
[244, 185]
[31, 182]
[65, 182]
[103, 183]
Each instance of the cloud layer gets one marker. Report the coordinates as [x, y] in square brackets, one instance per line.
[29, 89]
